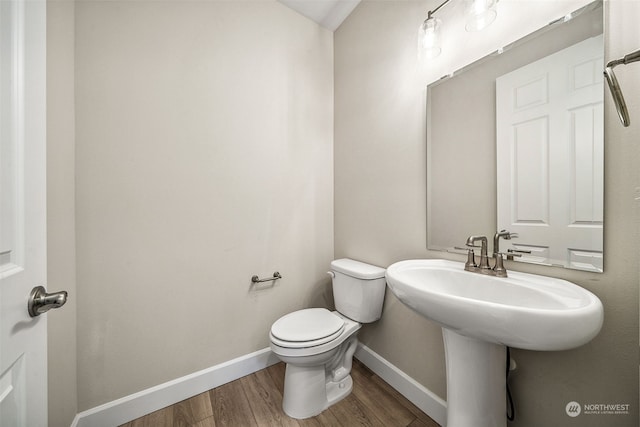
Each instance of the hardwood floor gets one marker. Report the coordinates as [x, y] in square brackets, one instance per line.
[256, 400]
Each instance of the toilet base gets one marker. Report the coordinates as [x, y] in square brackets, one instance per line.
[339, 390]
[307, 394]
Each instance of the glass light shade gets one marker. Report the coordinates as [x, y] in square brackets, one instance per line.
[429, 38]
[480, 14]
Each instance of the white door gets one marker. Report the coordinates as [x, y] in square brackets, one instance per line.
[23, 372]
[550, 157]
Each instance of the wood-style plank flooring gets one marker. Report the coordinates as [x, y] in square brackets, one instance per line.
[256, 400]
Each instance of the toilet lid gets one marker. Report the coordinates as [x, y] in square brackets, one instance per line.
[311, 324]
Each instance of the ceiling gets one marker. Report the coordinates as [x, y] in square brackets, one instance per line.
[328, 13]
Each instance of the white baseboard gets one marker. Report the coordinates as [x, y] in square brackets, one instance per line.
[136, 405]
[416, 393]
[130, 407]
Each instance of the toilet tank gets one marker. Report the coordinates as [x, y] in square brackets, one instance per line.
[358, 289]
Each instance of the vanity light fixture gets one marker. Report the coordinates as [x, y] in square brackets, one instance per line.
[479, 14]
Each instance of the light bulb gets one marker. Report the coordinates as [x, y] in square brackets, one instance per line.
[429, 38]
[480, 14]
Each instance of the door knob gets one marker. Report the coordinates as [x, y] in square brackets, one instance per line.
[41, 302]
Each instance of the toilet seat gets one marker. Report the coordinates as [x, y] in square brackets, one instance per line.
[307, 328]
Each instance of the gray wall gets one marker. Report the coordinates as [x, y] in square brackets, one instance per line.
[380, 216]
[204, 155]
[61, 261]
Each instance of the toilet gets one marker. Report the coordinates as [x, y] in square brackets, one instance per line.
[317, 345]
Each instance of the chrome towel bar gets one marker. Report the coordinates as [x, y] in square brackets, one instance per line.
[614, 86]
[256, 279]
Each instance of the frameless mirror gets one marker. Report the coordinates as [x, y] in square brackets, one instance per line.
[515, 142]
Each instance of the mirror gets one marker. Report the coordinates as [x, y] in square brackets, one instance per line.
[515, 142]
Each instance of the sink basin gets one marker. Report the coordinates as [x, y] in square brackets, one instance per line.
[482, 314]
[523, 310]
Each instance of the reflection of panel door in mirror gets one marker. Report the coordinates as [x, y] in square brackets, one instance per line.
[550, 157]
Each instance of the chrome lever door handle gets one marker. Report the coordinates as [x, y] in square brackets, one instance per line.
[41, 302]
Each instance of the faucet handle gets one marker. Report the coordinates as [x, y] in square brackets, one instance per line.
[505, 234]
[467, 247]
[471, 256]
[509, 254]
[515, 253]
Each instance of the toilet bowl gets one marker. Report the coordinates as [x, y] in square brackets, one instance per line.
[318, 345]
[317, 373]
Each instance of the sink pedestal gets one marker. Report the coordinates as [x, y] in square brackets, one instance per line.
[476, 381]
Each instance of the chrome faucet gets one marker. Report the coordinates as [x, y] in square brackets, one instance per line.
[498, 269]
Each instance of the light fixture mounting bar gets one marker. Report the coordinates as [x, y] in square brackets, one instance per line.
[431, 12]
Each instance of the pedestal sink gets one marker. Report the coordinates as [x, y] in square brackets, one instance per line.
[481, 315]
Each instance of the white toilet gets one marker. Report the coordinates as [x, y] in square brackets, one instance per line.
[318, 345]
